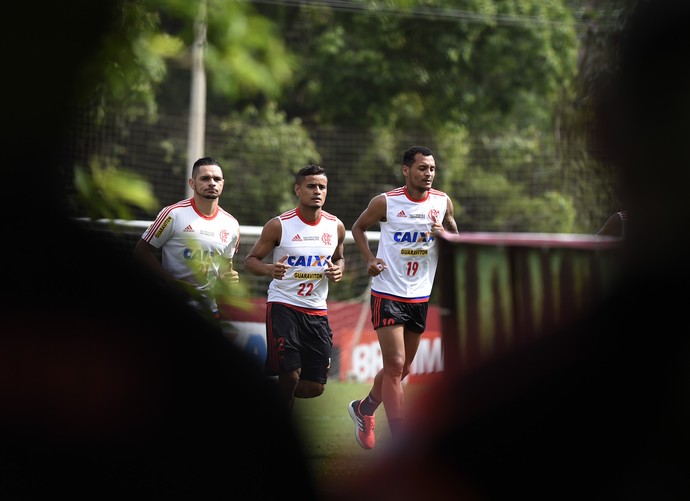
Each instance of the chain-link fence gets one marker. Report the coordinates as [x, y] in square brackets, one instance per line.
[255, 176]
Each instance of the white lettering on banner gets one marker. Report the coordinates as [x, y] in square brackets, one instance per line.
[366, 360]
[429, 357]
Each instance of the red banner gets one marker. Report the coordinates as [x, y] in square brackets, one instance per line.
[356, 354]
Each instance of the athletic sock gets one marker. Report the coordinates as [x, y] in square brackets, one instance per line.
[369, 405]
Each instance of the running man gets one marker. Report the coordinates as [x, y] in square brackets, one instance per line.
[403, 270]
[307, 253]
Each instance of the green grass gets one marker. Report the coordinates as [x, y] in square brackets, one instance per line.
[328, 433]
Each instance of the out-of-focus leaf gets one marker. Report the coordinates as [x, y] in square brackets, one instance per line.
[110, 192]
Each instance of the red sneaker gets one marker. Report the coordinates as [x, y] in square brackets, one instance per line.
[364, 426]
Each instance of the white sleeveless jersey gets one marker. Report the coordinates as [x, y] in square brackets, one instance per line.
[410, 253]
[308, 245]
[194, 243]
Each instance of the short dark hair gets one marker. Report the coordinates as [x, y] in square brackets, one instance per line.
[309, 170]
[204, 161]
[408, 156]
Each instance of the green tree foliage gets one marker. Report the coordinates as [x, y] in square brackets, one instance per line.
[110, 192]
[594, 194]
[462, 61]
[492, 74]
[260, 162]
[498, 88]
[244, 55]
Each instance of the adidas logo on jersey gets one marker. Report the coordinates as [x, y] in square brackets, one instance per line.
[401, 214]
[297, 238]
[189, 228]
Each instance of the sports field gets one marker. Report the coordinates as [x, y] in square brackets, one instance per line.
[328, 433]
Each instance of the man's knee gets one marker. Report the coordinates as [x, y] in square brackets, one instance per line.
[394, 368]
